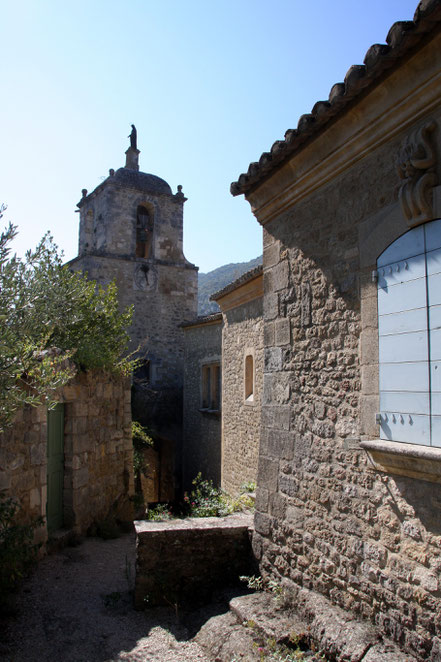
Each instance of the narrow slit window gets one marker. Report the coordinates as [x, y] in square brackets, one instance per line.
[249, 378]
[211, 387]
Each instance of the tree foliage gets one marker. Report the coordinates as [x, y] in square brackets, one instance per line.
[49, 315]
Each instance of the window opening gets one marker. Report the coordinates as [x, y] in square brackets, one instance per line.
[211, 387]
[144, 233]
[249, 377]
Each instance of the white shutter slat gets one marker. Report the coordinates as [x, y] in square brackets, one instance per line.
[406, 428]
[436, 431]
[406, 246]
[435, 317]
[405, 296]
[410, 377]
[401, 271]
[399, 401]
[404, 348]
[434, 289]
[403, 322]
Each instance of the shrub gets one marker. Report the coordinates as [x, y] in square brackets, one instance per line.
[17, 549]
[205, 500]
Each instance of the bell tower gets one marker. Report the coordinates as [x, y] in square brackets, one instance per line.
[131, 231]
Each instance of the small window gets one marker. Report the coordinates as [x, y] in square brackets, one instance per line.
[144, 233]
[211, 387]
[249, 378]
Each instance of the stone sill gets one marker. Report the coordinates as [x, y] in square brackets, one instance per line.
[412, 460]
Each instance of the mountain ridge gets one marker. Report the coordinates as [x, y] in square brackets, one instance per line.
[217, 279]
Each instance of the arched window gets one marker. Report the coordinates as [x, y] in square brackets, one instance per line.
[144, 232]
[409, 330]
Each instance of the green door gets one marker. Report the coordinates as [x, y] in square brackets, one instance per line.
[55, 467]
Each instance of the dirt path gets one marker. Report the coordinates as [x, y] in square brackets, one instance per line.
[77, 608]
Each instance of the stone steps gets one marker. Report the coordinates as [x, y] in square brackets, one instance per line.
[258, 619]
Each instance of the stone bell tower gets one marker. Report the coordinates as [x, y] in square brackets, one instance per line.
[131, 231]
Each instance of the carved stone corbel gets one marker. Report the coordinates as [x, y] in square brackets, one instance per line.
[416, 168]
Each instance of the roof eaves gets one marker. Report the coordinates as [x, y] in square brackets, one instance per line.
[245, 278]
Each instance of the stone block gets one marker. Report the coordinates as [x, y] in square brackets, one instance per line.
[278, 444]
[273, 359]
[280, 276]
[38, 454]
[262, 523]
[184, 560]
[276, 416]
[269, 334]
[282, 332]
[276, 388]
[270, 306]
[268, 473]
[369, 346]
[271, 255]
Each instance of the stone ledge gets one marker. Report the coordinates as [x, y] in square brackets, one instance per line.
[412, 460]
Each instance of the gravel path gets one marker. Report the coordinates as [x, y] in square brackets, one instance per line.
[77, 607]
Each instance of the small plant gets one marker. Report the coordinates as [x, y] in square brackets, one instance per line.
[247, 488]
[253, 583]
[17, 549]
[159, 513]
[205, 500]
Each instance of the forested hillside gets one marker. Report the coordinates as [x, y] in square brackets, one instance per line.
[215, 280]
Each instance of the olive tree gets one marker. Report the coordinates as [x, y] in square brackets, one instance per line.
[51, 318]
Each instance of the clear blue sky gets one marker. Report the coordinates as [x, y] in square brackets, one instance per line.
[209, 85]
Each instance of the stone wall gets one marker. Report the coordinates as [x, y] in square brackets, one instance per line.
[98, 454]
[331, 518]
[202, 428]
[182, 561]
[242, 336]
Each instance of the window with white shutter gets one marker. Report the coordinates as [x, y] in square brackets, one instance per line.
[409, 328]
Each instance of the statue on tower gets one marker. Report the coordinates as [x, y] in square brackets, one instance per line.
[133, 137]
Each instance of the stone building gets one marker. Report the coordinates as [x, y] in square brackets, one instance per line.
[131, 231]
[201, 449]
[242, 378]
[73, 465]
[349, 495]
[223, 387]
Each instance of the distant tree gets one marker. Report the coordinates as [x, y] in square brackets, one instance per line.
[49, 315]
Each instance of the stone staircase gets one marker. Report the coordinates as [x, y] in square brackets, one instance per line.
[260, 623]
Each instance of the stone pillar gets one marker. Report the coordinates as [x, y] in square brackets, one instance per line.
[132, 156]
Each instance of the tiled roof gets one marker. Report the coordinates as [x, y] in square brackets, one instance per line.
[401, 39]
[245, 278]
[203, 319]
